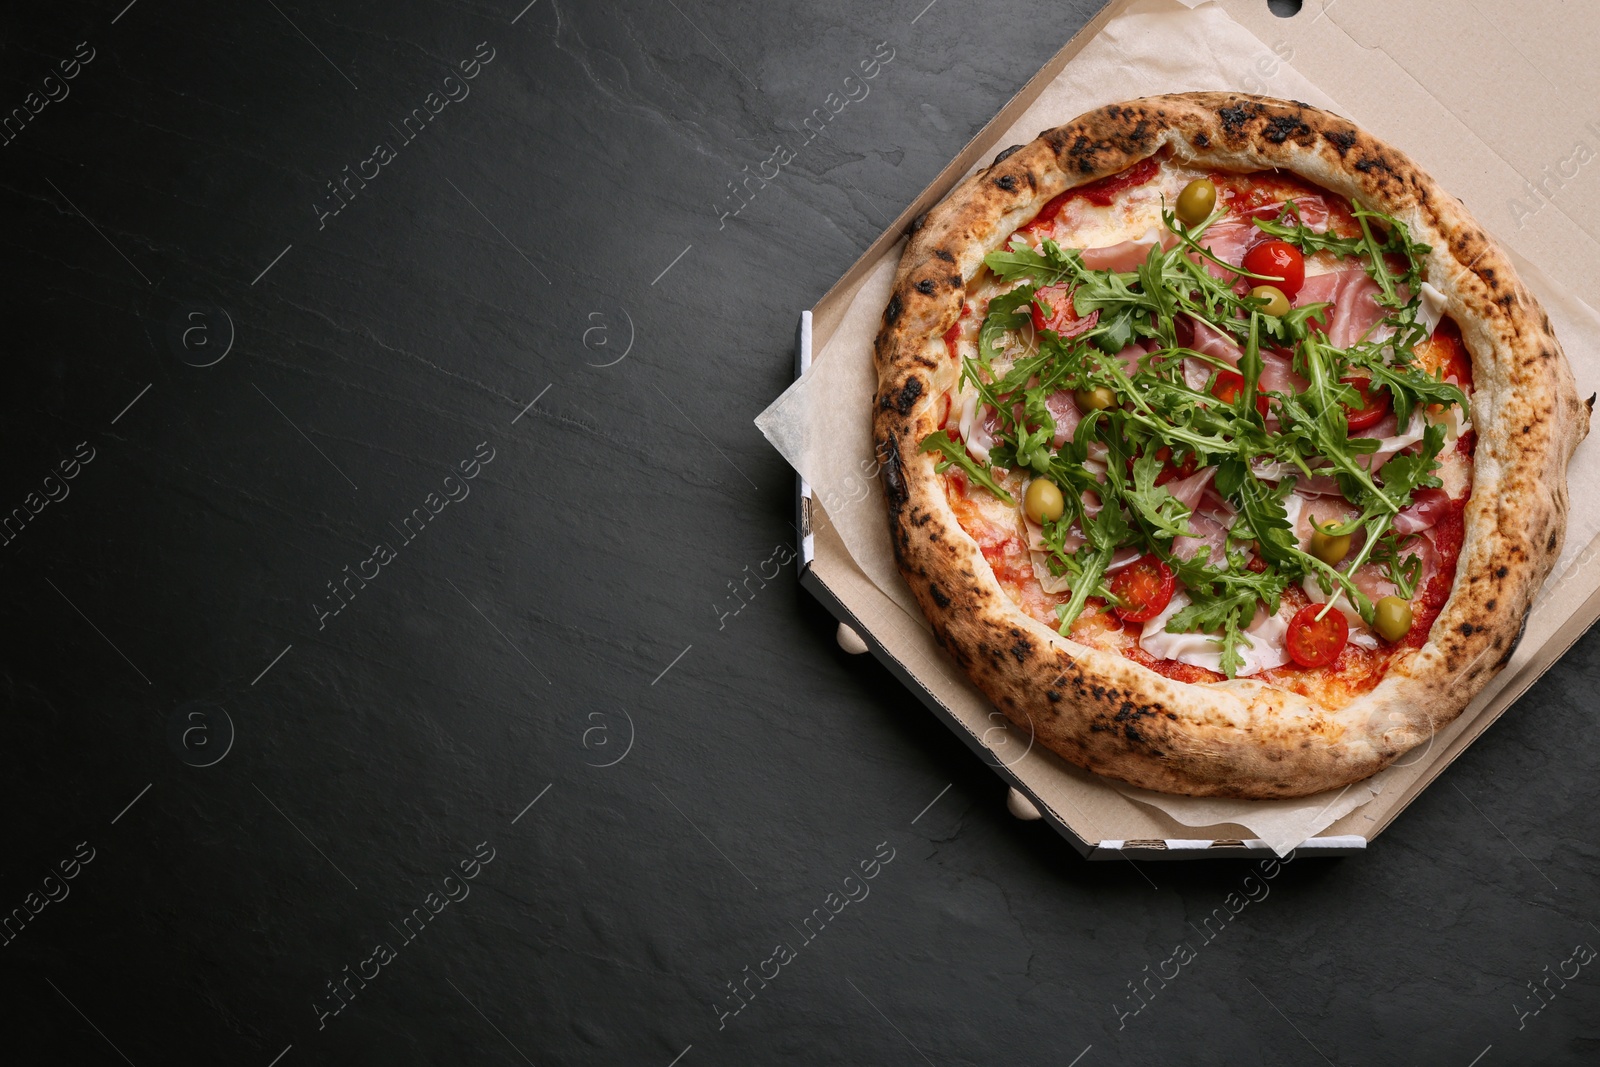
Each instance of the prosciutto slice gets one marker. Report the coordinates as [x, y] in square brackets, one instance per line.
[1278, 376]
[1427, 507]
[1211, 343]
[1127, 255]
[1065, 411]
[1353, 296]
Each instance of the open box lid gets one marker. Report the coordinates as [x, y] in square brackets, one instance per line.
[1420, 102]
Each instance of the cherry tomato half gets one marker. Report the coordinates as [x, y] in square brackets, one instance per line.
[1278, 260]
[1374, 404]
[1144, 588]
[1230, 385]
[1063, 320]
[1317, 642]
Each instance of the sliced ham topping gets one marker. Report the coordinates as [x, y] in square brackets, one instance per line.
[1352, 294]
[1129, 358]
[1210, 532]
[1303, 508]
[1278, 376]
[1127, 255]
[1392, 440]
[1211, 343]
[1190, 489]
[1065, 411]
[1427, 507]
[1227, 239]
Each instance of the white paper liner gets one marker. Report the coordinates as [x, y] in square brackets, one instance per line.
[820, 426]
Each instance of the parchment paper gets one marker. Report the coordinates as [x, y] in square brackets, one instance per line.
[820, 425]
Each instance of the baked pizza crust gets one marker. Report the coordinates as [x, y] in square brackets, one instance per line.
[1238, 738]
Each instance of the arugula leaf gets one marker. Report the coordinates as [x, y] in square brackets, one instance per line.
[955, 454]
[1008, 311]
[1410, 385]
[1088, 568]
[1162, 513]
[1047, 266]
[1402, 572]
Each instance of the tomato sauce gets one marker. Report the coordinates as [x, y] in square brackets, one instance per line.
[952, 336]
[1103, 193]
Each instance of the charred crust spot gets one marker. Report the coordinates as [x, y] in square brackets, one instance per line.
[938, 595]
[1527, 429]
[1052, 696]
[1022, 648]
[1589, 404]
[1489, 279]
[921, 518]
[909, 393]
[894, 479]
[1342, 140]
[1509, 301]
[1550, 545]
[918, 222]
[1467, 629]
[1283, 127]
[1234, 119]
[954, 281]
[891, 314]
[1490, 603]
[1368, 164]
[1008, 182]
[1501, 572]
[925, 287]
[1008, 153]
[1202, 141]
[944, 254]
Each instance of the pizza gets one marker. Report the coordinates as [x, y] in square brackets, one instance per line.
[1223, 450]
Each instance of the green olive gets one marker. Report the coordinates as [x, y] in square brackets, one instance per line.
[1097, 399]
[1330, 548]
[1391, 617]
[1277, 303]
[1043, 501]
[1197, 201]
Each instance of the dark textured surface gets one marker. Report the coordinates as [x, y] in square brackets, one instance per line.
[516, 645]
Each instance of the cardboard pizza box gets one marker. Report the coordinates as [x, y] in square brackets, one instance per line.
[1479, 108]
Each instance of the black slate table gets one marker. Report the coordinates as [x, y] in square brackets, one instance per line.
[385, 681]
